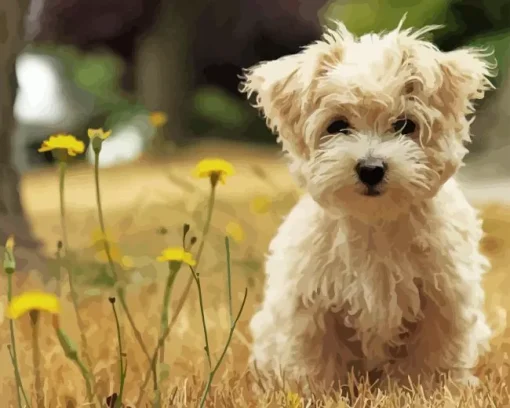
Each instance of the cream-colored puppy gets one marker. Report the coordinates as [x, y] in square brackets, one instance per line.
[378, 266]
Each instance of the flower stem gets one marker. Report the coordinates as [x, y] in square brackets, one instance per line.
[207, 349]
[72, 355]
[172, 274]
[119, 290]
[184, 295]
[36, 359]
[19, 384]
[62, 172]
[72, 289]
[229, 281]
[121, 358]
[223, 353]
[233, 322]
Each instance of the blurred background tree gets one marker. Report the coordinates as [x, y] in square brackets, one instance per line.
[12, 217]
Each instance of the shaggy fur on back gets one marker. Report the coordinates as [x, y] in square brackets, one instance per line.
[385, 277]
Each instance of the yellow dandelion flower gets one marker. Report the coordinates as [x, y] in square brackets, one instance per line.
[100, 133]
[235, 231]
[215, 169]
[260, 204]
[158, 119]
[69, 143]
[177, 255]
[28, 301]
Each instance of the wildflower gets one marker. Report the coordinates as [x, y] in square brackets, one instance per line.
[235, 231]
[99, 133]
[214, 169]
[30, 301]
[63, 142]
[260, 204]
[97, 137]
[158, 119]
[176, 255]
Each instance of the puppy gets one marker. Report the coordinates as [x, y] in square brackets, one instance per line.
[377, 268]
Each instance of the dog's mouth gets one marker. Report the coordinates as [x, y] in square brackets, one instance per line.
[372, 192]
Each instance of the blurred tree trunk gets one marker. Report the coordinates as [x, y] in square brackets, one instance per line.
[164, 65]
[12, 216]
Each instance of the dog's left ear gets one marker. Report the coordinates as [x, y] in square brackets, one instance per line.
[466, 74]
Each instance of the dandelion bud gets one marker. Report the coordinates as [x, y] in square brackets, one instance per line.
[111, 300]
[97, 144]
[185, 230]
[97, 137]
[9, 259]
[193, 241]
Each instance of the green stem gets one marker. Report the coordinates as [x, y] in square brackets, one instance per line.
[74, 294]
[224, 352]
[173, 270]
[36, 359]
[19, 384]
[62, 172]
[121, 359]
[233, 322]
[138, 335]
[86, 376]
[229, 280]
[120, 291]
[196, 277]
[184, 295]
[72, 354]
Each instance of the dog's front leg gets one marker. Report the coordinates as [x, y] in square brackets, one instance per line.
[288, 343]
[448, 339]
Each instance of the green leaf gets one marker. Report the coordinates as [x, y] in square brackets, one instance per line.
[218, 106]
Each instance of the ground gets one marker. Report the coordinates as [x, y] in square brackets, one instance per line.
[139, 200]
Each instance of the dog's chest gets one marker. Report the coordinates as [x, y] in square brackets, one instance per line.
[371, 277]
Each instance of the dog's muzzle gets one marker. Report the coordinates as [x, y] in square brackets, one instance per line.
[371, 172]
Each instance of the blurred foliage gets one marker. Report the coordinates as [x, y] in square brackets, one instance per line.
[98, 73]
[217, 105]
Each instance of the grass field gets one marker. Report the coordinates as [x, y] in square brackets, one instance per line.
[138, 201]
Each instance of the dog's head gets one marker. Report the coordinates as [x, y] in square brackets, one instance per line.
[375, 123]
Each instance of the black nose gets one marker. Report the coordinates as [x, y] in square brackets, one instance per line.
[371, 171]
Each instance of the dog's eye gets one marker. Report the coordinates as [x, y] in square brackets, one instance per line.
[338, 126]
[404, 126]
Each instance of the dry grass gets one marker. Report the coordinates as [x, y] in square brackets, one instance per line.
[136, 227]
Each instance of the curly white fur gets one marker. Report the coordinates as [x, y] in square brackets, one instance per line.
[391, 282]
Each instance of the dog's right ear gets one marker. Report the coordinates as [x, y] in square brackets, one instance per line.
[283, 87]
[279, 88]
